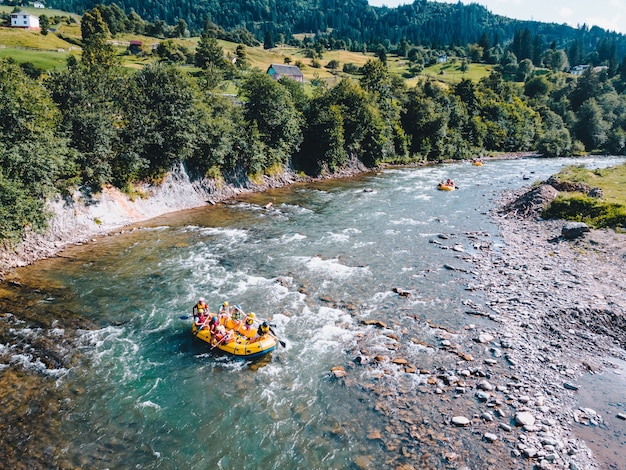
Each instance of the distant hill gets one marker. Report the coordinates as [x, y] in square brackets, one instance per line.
[423, 22]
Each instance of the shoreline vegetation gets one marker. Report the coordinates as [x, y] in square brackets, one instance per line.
[79, 219]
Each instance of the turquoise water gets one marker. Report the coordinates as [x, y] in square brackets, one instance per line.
[318, 262]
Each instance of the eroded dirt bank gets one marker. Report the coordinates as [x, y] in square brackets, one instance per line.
[81, 217]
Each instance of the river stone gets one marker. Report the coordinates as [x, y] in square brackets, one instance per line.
[572, 230]
[490, 437]
[595, 192]
[484, 385]
[460, 421]
[524, 418]
[484, 338]
[530, 452]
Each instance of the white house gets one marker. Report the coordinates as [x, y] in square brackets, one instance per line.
[38, 5]
[578, 69]
[24, 20]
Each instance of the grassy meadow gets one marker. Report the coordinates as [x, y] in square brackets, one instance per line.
[607, 211]
[51, 51]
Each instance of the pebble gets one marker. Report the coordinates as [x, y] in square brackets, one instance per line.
[524, 418]
[621, 416]
[570, 386]
[484, 385]
[529, 452]
[460, 421]
[484, 338]
[490, 437]
[505, 427]
[549, 441]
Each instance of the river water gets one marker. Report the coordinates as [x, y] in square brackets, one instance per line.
[319, 261]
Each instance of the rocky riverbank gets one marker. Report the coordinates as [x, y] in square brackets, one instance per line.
[512, 390]
[560, 308]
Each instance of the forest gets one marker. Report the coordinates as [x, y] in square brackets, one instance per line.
[355, 23]
[96, 123]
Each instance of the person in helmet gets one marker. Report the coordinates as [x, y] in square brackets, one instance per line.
[248, 329]
[222, 336]
[200, 307]
[233, 320]
[201, 320]
[237, 313]
[262, 330]
[223, 310]
[214, 322]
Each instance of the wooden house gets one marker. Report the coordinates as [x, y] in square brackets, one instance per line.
[278, 71]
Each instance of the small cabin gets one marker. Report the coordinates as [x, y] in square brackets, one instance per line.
[24, 20]
[38, 5]
[442, 58]
[578, 69]
[134, 47]
[278, 71]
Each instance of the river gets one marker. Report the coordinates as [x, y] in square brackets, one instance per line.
[319, 261]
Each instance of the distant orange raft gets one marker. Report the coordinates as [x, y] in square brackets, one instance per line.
[446, 187]
[241, 346]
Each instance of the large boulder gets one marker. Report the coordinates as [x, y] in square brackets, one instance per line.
[595, 192]
[572, 230]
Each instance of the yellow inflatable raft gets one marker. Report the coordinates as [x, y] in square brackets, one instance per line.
[445, 187]
[477, 163]
[239, 346]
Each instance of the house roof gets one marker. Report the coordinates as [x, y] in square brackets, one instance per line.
[286, 69]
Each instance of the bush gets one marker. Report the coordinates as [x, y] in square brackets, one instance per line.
[581, 208]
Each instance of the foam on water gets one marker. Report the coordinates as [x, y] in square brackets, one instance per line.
[26, 361]
[295, 209]
[407, 221]
[332, 268]
[148, 404]
[293, 237]
[336, 237]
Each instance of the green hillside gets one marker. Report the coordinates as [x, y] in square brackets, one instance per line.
[51, 52]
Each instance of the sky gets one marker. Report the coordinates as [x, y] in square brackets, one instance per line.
[607, 14]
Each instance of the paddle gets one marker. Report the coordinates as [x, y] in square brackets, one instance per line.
[282, 343]
[218, 343]
[201, 326]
